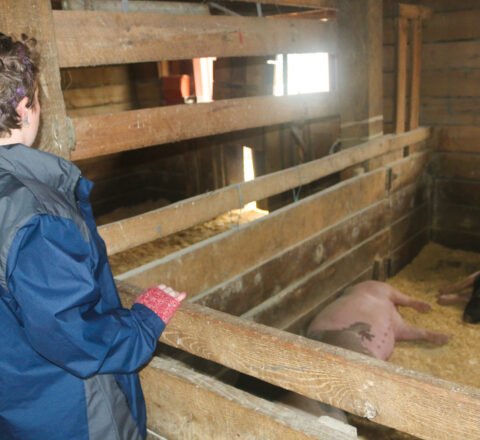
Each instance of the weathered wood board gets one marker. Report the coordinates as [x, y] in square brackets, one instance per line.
[111, 133]
[189, 269]
[462, 218]
[409, 225]
[443, 26]
[351, 381]
[409, 170]
[183, 403]
[283, 309]
[151, 7]
[90, 38]
[457, 166]
[457, 192]
[461, 139]
[444, 55]
[243, 292]
[127, 233]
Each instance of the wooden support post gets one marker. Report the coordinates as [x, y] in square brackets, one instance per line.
[416, 71]
[34, 18]
[401, 74]
[360, 70]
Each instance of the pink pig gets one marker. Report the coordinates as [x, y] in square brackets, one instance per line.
[365, 319]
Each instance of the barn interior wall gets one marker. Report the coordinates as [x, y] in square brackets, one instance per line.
[187, 168]
[450, 103]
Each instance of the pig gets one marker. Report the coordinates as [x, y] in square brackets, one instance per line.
[364, 319]
[453, 294]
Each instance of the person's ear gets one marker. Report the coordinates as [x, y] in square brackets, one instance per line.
[22, 109]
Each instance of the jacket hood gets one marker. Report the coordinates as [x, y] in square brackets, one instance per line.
[48, 168]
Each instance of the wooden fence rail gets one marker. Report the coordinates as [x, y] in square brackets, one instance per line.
[140, 229]
[92, 38]
[112, 133]
[409, 401]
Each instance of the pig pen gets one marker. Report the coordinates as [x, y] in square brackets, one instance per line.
[254, 287]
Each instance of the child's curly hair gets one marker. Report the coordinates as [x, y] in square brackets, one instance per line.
[18, 78]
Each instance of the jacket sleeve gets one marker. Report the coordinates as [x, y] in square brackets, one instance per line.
[50, 274]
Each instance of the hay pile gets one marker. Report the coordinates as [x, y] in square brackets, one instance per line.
[459, 359]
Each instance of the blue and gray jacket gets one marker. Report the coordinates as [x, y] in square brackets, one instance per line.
[68, 350]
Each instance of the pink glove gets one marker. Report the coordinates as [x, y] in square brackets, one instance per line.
[162, 300]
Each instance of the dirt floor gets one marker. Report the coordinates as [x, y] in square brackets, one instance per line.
[459, 359]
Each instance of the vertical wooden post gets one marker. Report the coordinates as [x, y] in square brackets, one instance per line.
[416, 71]
[34, 18]
[401, 74]
[360, 87]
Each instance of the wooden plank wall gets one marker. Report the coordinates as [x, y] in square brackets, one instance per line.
[179, 170]
[369, 226]
[450, 103]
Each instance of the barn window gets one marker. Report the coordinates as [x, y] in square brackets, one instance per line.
[302, 73]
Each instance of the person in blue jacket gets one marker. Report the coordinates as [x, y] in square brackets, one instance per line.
[69, 351]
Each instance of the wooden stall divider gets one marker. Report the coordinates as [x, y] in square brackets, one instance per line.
[133, 231]
[356, 383]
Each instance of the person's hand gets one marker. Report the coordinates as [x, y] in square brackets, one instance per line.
[162, 300]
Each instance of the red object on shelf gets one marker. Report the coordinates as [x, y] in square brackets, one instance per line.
[175, 88]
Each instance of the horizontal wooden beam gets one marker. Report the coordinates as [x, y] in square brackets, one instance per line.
[134, 231]
[414, 11]
[151, 7]
[457, 165]
[409, 401]
[459, 139]
[112, 133]
[281, 310]
[240, 294]
[320, 4]
[184, 403]
[233, 251]
[90, 38]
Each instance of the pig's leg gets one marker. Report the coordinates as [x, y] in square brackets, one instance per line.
[405, 332]
[454, 298]
[400, 299]
[460, 285]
